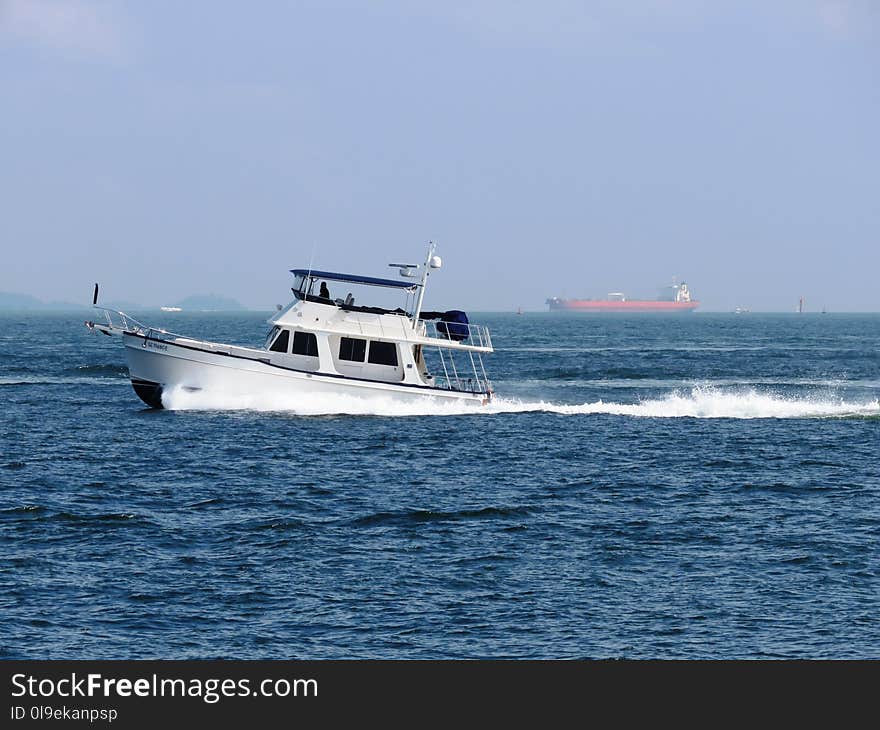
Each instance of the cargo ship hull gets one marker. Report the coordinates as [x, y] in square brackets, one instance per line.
[603, 305]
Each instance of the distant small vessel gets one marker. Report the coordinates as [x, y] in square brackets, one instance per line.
[519, 310]
[171, 309]
[801, 303]
[675, 298]
[741, 310]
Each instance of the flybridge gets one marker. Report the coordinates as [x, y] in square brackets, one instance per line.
[354, 279]
[306, 278]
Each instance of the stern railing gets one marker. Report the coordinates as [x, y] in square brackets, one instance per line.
[477, 334]
[460, 378]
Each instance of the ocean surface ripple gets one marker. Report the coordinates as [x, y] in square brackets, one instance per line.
[700, 486]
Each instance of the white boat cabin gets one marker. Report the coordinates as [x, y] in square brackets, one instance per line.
[341, 337]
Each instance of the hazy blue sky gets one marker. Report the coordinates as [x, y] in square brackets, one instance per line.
[550, 148]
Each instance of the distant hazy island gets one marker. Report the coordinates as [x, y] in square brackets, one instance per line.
[11, 301]
[22, 302]
[208, 303]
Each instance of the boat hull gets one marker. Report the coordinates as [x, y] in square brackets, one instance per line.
[156, 367]
[148, 391]
[588, 305]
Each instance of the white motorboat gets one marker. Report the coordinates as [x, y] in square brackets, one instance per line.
[318, 345]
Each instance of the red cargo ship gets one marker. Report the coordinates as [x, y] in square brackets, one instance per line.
[676, 298]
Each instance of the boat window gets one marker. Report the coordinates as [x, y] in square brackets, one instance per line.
[352, 348]
[280, 344]
[299, 285]
[305, 343]
[271, 335]
[383, 353]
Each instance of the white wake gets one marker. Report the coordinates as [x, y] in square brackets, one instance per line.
[697, 402]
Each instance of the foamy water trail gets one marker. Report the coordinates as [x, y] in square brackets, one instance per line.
[698, 402]
[713, 403]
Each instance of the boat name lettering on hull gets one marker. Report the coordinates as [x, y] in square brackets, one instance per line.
[156, 345]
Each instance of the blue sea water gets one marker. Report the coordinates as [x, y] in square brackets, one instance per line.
[698, 486]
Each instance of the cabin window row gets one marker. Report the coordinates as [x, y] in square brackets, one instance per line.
[354, 349]
[304, 343]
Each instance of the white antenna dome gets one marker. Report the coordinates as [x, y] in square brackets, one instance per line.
[436, 262]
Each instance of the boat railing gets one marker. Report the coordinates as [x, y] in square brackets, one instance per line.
[476, 335]
[459, 384]
[460, 370]
[119, 320]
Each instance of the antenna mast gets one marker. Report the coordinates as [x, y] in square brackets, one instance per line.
[428, 265]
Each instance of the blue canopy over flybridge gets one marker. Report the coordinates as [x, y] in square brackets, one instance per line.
[354, 278]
